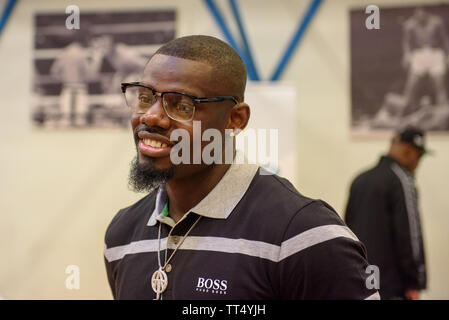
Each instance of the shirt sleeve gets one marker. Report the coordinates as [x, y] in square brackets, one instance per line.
[109, 239]
[321, 259]
[111, 278]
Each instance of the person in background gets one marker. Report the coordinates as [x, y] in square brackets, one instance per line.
[126, 61]
[382, 211]
[71, 67]
[426, 48]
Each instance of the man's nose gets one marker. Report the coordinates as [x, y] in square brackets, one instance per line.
[156, 116]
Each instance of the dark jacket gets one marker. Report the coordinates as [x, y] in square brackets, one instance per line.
[383, 212]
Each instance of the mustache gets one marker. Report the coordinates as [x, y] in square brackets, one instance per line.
[157, 130]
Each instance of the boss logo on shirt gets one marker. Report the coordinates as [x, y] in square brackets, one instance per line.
[215, 286]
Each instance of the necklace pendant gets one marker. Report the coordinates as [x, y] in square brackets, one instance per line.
[159, 282]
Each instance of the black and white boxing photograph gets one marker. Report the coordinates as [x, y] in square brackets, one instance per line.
[399, 73]
[77, 73]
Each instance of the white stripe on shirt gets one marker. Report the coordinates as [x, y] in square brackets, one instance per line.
[411, 210]
[252, 248]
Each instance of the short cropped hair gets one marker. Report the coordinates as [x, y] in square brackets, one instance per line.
[222, 57]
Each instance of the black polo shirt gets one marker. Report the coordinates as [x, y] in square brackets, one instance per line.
[258, 238]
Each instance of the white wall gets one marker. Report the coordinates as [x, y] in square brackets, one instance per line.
[59, 190]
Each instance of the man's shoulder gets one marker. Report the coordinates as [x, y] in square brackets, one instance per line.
[274, 191]
[436, 20]
[315, 244]
[278, 195]
[127, 218]
[382, 173]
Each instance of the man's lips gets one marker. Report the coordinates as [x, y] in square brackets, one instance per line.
[153, 144]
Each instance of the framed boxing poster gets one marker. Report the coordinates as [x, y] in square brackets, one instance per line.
[79, 64]
[399, 71]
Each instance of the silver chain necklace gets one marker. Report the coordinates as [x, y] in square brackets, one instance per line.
[159, 280]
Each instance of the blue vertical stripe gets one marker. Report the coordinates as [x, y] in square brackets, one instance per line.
[9, 6]
[224, 28]
[313, 7]
[246, 47]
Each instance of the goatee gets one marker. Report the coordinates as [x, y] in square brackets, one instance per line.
[145, 178]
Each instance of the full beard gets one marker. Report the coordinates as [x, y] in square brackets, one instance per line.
[143, 177]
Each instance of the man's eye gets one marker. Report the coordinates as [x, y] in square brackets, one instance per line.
[185, 107]
[145, 98]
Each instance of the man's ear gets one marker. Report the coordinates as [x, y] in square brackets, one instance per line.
[239, 116]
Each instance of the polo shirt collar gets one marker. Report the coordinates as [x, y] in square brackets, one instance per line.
[219, 202]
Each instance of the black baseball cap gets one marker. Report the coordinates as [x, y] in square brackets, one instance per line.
[415, 137]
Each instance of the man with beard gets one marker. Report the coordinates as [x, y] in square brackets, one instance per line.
[220, 230]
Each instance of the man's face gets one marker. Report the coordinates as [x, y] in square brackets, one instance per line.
[167, 73]
[413, 157]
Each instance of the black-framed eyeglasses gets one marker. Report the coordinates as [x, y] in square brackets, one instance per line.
[177, 105]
